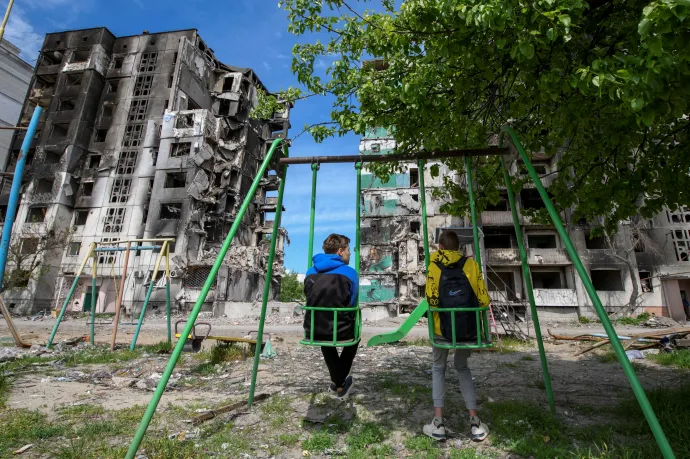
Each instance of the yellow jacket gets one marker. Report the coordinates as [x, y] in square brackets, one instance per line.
[471, 270]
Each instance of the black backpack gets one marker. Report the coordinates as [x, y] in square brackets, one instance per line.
[455, 291]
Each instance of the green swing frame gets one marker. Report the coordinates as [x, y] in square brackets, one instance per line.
[514, 150]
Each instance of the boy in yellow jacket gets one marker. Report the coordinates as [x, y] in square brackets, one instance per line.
[446, 258]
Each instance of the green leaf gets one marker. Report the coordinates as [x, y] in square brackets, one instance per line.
[595, 81]
[648, 118]
[434, 170]
[644, 27]
[654, 45]
[565, 20]
[527, 50]
[637, 104]
[551, 34]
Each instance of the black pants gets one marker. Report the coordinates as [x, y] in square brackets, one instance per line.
[339, 366]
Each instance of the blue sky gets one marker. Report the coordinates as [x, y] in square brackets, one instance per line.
[244, 33]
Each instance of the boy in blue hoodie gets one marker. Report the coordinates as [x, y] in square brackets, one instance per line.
[330, 282]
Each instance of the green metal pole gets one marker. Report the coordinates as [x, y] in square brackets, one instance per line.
[148, 296]
[628, 369]
[529, 288]
[93, 300]
[69, 296]
[422, 203]
[358, 218]
[146, 420]
[267, 286]
[475, 235]
[314, 169]
[167, 292]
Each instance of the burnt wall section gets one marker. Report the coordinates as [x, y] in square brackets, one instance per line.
[147, 136]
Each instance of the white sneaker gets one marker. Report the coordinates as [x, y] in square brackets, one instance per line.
[435, 429]
[479, 430]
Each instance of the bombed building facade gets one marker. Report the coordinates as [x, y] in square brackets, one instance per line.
[393, 266]
[146, 136]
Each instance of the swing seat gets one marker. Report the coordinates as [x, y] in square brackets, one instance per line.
[483, 340]
[313, 341]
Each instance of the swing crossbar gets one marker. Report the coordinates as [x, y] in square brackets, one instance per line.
[334, 342]
[124, 249]
[483, 338]
[388, 157]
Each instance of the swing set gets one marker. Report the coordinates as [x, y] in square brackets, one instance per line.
[102, 253]
[507, 154]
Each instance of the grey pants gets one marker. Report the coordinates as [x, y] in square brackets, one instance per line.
[438, 377]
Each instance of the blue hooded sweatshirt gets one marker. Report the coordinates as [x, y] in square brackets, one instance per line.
[331, 263]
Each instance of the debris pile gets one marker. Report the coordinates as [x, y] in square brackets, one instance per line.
[666, 340]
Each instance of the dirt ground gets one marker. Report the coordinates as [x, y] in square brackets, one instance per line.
[383, 418]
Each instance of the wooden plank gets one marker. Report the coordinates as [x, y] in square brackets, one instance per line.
[224, 409]
[684, 343]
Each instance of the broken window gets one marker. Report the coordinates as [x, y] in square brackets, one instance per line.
[496, 239]
[65, 105]
[530, 199]
[175, 59]
[45, 185]
[191, 105]
[74, 79]
[414, 177]
[681, 244]
[180, 149]
[145, 216]
[29, 245]
[52, 157]
[113, 86]
[138, 109]
[80, 56]
[80, 217]
[73, 249]
[420, 254]
[165, 105]
[547, 279]
[94, 161]
[224, 107]
[170, 81]
[59, 131]
[120, 191]
[148, 63]
[228, 83]
[101, 135]
[3, 213]
[36, 215]
[143, 85]
[607, 279]
[107, 111]
[541, 241]
[117, 62]
[149, 190]
[87, 188]
[114, 220]
[126, 163]
[106, 257]
[171, 211]
[175, 180]
[646, 281]
[415, 227]
[185, 121]
[594, 242]
[230, 202]
[196, 276]
[415, 197]
[51, 58]
[502, 205]
[132, 137]
[376, 148]
[214, 232]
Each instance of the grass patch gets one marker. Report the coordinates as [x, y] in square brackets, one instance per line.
[584, 320]
[413, 393]
[510, 344]
[678, 359]
[81, 411]
[4, 388]
[318, 442]
[364, 435]
[20, 427]
[276, 410]
[467, 453]
[528, 358]
[607, 357]
[230, 352]
[204, 369]
[423, 444]
[23, 363]
[288, 440]
[423, 342]
[644, 317]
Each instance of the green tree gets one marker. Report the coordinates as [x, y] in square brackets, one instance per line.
[604, 84]
[291, 289]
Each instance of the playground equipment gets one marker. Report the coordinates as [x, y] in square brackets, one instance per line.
[512, 151]
[106, 253]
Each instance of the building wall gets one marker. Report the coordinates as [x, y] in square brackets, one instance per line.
[15, 76]
[147, 137]
[393, 259]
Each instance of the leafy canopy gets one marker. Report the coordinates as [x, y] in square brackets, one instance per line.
[291, 289]
[605, 84]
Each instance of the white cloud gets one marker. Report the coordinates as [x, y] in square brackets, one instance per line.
[266, 65]
[22, 34]
[283, 56]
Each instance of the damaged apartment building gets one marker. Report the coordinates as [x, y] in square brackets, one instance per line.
[393, 266]
[145, 136]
